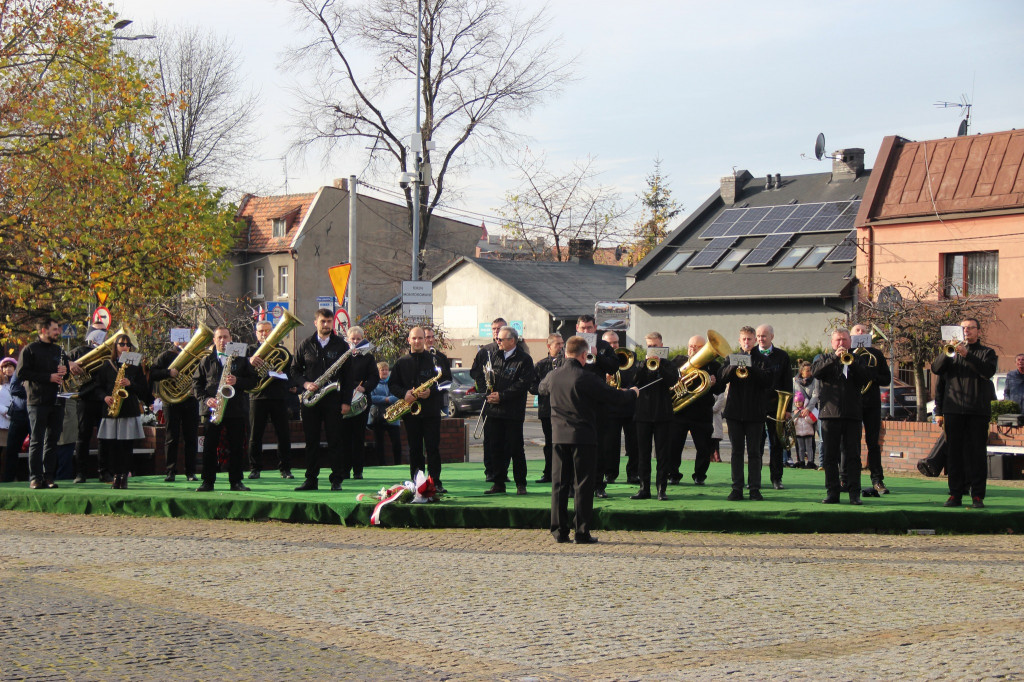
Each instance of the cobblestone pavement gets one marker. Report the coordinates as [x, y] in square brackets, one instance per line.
[91, 598]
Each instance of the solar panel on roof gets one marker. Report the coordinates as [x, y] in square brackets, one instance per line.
[766, 226]
[806, 210]
[852, 208]
[715, 230]
[738, 230]
[756, 213]
[818, 223]
[792, 225]
[842, 223]
[730, 215]
[707, 258]
[722, 243]
[845, 252]
[766, 250]
[831, 209]
[781, 212]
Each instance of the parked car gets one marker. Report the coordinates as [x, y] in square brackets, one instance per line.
[462, 396]
[905, 403]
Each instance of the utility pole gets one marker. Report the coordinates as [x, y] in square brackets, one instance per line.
[352, 248]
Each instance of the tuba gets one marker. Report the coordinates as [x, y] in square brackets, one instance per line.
[627, 359]
[92, 360]
[276, 359]
[781, 407]
[694, 381]
[173, 390]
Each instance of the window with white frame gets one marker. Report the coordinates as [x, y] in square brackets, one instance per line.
[282, 280]
[279, 227]
[970, 274]
[259, 282]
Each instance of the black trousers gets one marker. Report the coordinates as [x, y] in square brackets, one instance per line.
[182, 428]
[506, 436]
[353, 444]
[700, 433]
[120, 452]
[324, 417]
[394, 431]
[233, 429]
[90, 413]
[275, 410]
[545, 427]
[489, 461]
[660, 433]
[872, 418]
[842, 444]
[573, 467]
[610, 444]
[746, 437]
[46, 423]
[967, 461]
[776, 452]
[15, 437]
[424, 433]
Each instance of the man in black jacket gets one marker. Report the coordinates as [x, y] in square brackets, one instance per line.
[313, 358]
[91, 411]
[616, 424]
[552, 362]
[42, 367]
[270, 403]
[422, 430]
[575, 396]
[966, 410]
[694, 420]
[653, 419]
[776, 362]
[839, 409]
[871, 406]
[241, 378]
[181, 418]
[744, 414]
[506, 410]
[478, 371]
[359, 375]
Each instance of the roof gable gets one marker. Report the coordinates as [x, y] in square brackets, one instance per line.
[260, 213]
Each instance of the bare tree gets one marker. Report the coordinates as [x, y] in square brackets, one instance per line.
[210, 122]
[483, 63]
[549, 208]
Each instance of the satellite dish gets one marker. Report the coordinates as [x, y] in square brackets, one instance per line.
[819, 146]
[962, 130]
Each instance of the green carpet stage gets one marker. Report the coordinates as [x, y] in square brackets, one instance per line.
[915, 503]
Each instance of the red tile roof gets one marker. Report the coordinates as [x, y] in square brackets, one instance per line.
[967, 174]
[259, 214]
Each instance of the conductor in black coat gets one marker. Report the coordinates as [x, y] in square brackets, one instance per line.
[576, 396]
[839, 409]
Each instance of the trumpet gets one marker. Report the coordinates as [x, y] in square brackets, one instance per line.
[652, 363]
[846, 357]
[742, 372]
[591, 358]
[949, 349]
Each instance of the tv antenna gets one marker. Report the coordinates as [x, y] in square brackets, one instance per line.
[965, 106]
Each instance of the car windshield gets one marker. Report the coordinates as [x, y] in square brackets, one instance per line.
[461, 376]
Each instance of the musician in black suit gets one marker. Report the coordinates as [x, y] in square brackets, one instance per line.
[312, 359]
[576, 396]
[270, 403]
[358, 376]
[744, 414]
[181, 419]
[506, 410]
[422, 430]
[839, 410]
[776, 362]
[206, 385]
[653, 419]
[615, 426]
[966, 410]
[695, 420]
[479, 373]
[544, 367]
[871, 406]
[90, 413]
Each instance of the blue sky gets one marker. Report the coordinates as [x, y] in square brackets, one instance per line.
[706, 86]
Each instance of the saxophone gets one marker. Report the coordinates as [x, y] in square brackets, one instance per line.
[323, 388]
[402, 408]
[119, 394]
[224, 392]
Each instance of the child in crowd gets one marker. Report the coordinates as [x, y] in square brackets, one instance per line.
[804, 426]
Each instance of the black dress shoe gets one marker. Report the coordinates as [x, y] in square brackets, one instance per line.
[357, 477]
[587, 539]
[169, 478]
[674, 480]
[662, 495]
[976, 503]
[335, 487]
[205, 487]
[49, 483]
[855, 500]
[698, 481]
[756, 496]
[440, 489]
[952, 502]
[600, 494]
[79, 479]
[633, 480]
[830, 500]
[520, 490]
[286, 473]
[561, 538]
[35, 484]
[642, 494]
[496, 489]
[545, 479]
[308, 484]
[191, 478]
[778, 485]
[254, 475]
[239, 487]
[735, 496]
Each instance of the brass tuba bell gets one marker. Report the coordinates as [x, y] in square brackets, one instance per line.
[276, 359]
[694, 381]
[174, 390]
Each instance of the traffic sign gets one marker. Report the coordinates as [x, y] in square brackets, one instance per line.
[341, 321]
[417, 311]
[417, 291]
[68, 331]
[102, 315]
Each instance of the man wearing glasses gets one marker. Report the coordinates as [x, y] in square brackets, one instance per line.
[479, 374]
[966, 409]
[506, 409]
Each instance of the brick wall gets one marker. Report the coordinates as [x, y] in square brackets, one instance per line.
[915, 440]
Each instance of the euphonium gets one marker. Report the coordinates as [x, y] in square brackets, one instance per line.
[694, 381]
[224, 392]
[173, 390]
[401, 408]
[92, 360]
[119, 394]
[652, 363]
[742, 372]
[781, 407]
[625, 357]
[275, 359]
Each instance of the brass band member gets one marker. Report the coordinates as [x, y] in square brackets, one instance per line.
[422, 430]
[695, 420]
[479, 373]
[90, 412]
[313, 357]
[744, 414]
[871, 407]
[359, 375]
[840, 381]
[506, 410]
[776, 362]
[552, 362]
[270, 403]
[653, 419]
[206, 388]
[430, 343]
[618, 424]
[181, 419]
[122, 430]
[966, 410]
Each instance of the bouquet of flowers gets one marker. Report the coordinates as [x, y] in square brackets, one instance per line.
[419, 491]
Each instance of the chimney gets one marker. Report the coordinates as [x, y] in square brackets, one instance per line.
[341, 183]
[732, 186]
[768, 181]
[778, 181]
[847, 164]
[581, 251]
